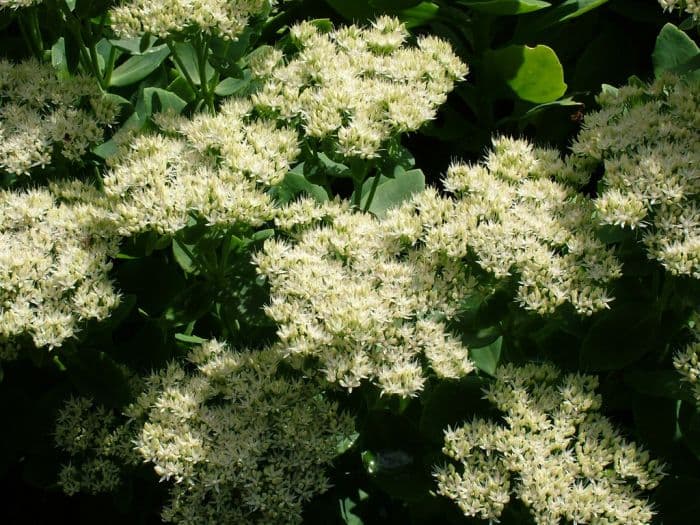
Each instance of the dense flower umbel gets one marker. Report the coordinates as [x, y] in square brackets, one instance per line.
[227, 18]
[516, 219]
[100, 447]
[18, 4]
[365, 300]
[215, 166]
[563, 460]
[687, 361]
[241, 442]
[648, 139]
[692, 7]
[358, 87]
[53, 265]
[41, 114]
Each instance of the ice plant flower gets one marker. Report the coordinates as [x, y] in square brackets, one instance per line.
[552, 450]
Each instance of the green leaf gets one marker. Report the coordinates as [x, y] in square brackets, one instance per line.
[486, 358]
[533, 74]
[659, 383]
[182, 256]
[392, 192]
[167, 101]
[505, 7]
[231, 86]
[332, 168]
[295, 183]
[188, 56]
[441, 410]
[673, 49]
[419, 15]
[192, 339]
[619, 337]
[139, 67]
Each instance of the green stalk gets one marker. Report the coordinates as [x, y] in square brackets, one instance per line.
[372, 191]
[202, 56]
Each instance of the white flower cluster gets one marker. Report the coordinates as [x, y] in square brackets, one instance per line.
[41, 113]
[692, 7]
[516, 220]
[647, 138]
[555, 453]
[54, 265]
[687, 361]
[241, 442]
[210, 165]
[18, 4]
[98, 445]
[356, 88]
[162, 18]
[361, 297]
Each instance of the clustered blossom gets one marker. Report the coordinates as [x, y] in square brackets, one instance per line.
[241, 442]
[42, 114]
[692, 7]
[687, 361]
[18, 4]
[364, 299]
[162, 18]
[516, 219]
[357, 88]
[54, 263]
[557, 455]
[647, 138]
[100, 447]
[214, 166]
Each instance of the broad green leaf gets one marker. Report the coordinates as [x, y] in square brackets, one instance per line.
[619, 337]
[392, 192]
[486, 358]
[295, 183]
[188, 56]
[659, 383]
[130, 45]
[332, 168]
[673, 49]
[167, 101]
[533, 74]
[419, 15]
[182, 256]
[441, 410]
[231, 86]
[139, 67]
[505, 7]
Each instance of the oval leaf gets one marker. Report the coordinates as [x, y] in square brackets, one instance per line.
[139, 67]
[673, 49]
[505, 7]
[533, 74]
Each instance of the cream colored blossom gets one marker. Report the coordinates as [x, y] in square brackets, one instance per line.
[553, 451]
[366, 301]
[18, 4]
[647, 139]
[240, 442]
[53, 264]
[99, 447]
[517, 220]
[162, 18]
[687, 360]
[214, 166]
[691, 7]
[360, 87]
[40, 112]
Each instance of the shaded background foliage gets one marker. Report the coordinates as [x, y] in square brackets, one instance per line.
[534, 71]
